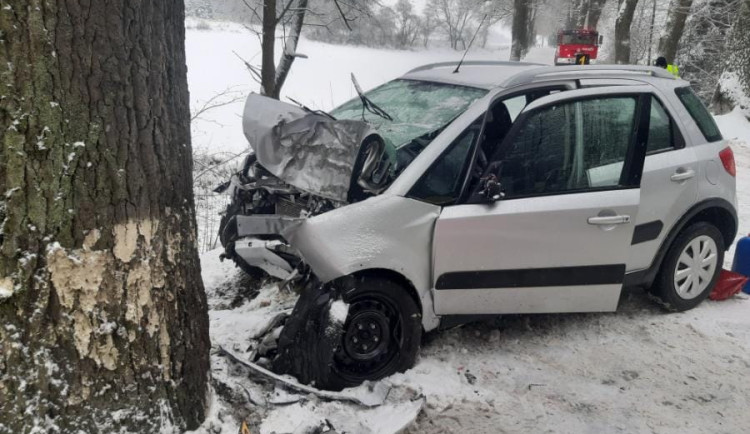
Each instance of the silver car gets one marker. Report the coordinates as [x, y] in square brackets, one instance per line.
[497, 188]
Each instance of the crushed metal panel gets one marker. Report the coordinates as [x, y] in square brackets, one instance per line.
[260, 253]
[307, 150]
[383, 232]
[265, 224]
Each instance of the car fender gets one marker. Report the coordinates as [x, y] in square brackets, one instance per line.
[384, 232]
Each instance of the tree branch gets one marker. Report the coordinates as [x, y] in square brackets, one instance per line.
[343, 16]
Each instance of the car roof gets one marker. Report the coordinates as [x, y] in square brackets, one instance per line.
[494, 74]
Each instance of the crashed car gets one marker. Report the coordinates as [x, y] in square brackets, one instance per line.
[498, 188]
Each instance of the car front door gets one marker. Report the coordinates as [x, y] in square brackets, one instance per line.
[558, 240]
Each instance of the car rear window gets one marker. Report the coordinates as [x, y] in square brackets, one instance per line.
[698, 112]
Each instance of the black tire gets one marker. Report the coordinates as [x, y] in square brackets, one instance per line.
[665, 289]
[394, 335]
[316, 353]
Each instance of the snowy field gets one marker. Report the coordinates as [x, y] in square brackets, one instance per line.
[322, 81]
[636, 370]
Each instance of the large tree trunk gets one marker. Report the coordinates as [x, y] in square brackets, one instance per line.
[290, 48]
[588, 13]
[734, 84]
[272, 78]
[670, 37]
[520, 29]
[268, 41]
[103, 316]
[625, 11]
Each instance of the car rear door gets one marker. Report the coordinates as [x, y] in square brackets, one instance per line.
[558, 241]
[669, 185]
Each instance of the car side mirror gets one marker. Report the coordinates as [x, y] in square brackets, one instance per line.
[492, 190]
[601, 39]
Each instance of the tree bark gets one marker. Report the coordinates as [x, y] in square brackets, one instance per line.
[104, 324]
[734, 84]
[625, 11]
[670, 37]
[290, 48]
[268, 41]
[590, 8]
[520, 29]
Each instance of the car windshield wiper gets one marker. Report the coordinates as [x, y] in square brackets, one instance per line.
[367, 103]
[309, 110]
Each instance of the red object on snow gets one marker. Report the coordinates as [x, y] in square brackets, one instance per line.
[729, 283]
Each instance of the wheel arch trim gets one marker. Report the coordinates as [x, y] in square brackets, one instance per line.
[424, 300]
[702, 211]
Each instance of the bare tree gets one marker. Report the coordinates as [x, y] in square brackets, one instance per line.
[493, 12]
[104, 318]
[520, 29]
[455, 17]
[291, 16]
[585, 13]
[407, 24]
[272, 77]
[426, 27]
[733, 89]
[703, 45]
[670, 37]
[625, 11]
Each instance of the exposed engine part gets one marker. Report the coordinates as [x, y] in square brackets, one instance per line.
[257, 193]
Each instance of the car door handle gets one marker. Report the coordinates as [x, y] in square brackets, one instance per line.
[609, 220]
[682, 175]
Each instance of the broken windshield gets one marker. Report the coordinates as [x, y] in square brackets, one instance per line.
[417, 108]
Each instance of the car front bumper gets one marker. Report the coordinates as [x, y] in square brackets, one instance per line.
[264, 255]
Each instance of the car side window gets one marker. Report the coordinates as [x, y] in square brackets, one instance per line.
[660, 130]
[698, 112]
[567, 147]
[442, 182]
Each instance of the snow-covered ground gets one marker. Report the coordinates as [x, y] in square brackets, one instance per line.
[636, 370]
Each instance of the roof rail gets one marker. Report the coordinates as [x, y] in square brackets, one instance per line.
[587, 72]
[472, 63]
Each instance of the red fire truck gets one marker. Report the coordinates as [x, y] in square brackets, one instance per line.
[577, 47]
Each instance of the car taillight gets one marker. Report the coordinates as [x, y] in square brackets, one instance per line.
[727, 159]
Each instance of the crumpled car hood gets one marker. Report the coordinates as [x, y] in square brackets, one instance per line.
[307, 150]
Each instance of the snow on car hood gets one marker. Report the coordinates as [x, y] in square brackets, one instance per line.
[307, 150]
